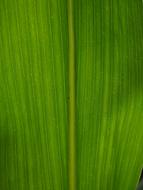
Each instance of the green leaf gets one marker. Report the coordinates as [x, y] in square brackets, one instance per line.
[109, 93]
[71, 94]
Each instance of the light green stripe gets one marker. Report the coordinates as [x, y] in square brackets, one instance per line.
[72, 108]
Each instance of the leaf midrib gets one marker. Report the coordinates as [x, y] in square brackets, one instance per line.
[72, 101]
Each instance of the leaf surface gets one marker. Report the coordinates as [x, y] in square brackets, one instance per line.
[35, 96]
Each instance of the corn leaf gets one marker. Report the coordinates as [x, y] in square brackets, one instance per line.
[71, 94]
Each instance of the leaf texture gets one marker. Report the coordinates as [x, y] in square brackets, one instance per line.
[33, 54]
[34, 94]
[109, 93]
